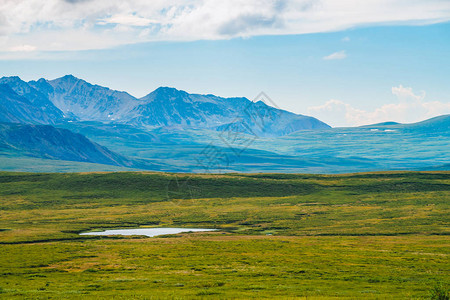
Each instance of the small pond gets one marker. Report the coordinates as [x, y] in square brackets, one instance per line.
[146, 231]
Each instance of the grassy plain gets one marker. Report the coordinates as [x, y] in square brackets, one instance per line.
[358, 236]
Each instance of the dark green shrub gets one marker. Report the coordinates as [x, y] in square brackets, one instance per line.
[440, 292]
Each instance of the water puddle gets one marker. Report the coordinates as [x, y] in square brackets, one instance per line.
[146, 231]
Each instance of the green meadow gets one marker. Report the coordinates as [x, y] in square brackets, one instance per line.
[294, 236]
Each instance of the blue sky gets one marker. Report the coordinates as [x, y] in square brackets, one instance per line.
[358, 74]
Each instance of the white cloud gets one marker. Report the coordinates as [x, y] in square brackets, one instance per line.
[346, 39]
[45, 24]
[22, 48]
[406, 93]
[129, 20]
[410, 108]
[336, 55]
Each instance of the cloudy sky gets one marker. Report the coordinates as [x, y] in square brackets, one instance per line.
[347, 62]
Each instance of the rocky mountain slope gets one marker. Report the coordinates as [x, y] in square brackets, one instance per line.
[15, 108]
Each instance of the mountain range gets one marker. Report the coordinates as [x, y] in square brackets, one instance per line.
[71, 99]
[69, 119]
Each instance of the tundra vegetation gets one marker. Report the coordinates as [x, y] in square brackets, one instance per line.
[356, 236]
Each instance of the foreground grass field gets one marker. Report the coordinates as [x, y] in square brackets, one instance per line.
[360, 236]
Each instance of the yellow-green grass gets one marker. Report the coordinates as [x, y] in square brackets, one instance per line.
[359, 236]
